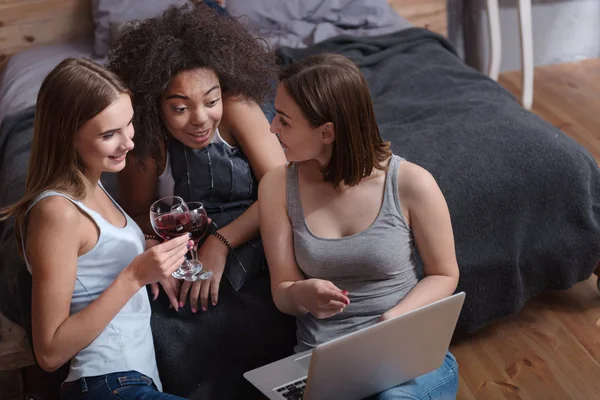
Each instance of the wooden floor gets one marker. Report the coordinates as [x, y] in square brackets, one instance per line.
[551, 349]
[568, 96]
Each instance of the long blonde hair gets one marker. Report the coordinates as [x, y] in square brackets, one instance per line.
[74, 92]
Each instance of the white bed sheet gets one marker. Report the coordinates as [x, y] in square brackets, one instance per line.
[23, 74]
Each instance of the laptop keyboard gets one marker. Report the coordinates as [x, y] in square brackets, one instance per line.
[292, 391]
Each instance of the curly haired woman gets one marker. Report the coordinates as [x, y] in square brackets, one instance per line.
[197, 79]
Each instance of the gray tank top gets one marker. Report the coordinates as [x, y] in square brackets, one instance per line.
[126, 342]
[376, 266]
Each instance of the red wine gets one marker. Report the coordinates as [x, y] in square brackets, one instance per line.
[172, 225]
[198, 226]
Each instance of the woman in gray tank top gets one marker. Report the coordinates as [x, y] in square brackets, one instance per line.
[86, 256]
[340, 223]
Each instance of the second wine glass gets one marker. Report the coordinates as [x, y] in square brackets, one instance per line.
[198, 227]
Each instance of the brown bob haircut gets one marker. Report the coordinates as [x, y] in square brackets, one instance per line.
[330, 88]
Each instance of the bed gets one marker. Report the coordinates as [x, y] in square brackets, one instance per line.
[523, 197]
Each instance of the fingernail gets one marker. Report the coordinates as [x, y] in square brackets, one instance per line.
[203, 308]
[344, 292]
[194, 310]
[214, 303]
[189, 234]
[180, 304]
[155, 296]
[189, 246]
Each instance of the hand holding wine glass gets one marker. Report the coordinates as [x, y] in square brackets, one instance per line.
[160, 261]
[171, 217]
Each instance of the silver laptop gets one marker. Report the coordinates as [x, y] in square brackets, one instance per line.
[368, 361]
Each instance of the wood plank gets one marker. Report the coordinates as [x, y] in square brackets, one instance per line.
[548, 351]
[28, 23]
[18, 12]
[3, 2]
[568, 96]
[29, 34]
[15, 351]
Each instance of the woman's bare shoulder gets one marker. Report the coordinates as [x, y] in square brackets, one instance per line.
[414, 181]
[54, 210]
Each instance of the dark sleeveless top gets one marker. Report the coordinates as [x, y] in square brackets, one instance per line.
[204, 355]
[220, 177]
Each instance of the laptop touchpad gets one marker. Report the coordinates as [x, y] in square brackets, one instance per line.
[304, 361]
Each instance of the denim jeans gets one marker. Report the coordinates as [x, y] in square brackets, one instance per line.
[127, 385]
[441, 384]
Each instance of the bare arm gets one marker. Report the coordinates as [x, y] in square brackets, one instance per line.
[52, 250]
[245, 121]
[427, 211]
[138, 190]
[292, 293]
[276, 231]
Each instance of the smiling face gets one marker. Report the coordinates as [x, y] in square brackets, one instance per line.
[191, 107]
[103, 142]
[299, 139]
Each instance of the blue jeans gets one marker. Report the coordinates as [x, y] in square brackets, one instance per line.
[441, 384]
[128, 385]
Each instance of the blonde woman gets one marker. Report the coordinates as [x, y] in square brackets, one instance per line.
[86, 256]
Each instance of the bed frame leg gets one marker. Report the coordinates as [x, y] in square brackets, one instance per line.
[527, 60]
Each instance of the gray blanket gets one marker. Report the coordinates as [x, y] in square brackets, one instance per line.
[524, 198]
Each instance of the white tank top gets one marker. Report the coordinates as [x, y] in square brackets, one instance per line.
[126, 342]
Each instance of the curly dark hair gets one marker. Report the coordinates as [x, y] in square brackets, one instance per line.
[150, 53]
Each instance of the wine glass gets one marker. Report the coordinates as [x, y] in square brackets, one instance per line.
[170, 217]
[198, 228]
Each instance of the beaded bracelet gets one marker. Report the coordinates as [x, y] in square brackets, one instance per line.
[224, 240]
